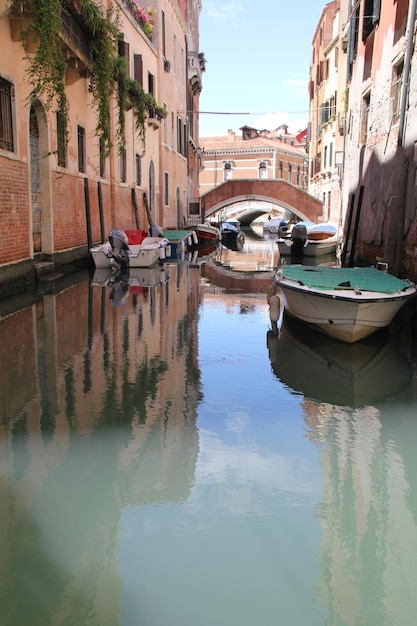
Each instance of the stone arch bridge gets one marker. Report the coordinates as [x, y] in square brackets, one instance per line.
[283, 194]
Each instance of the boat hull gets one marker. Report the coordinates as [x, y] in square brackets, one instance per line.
[348, 314]
[146, 254]
[207, 234]
[312, 247]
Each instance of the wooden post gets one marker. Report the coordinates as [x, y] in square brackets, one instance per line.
[135, 207]
[100, 210]
[148, 213]
[87, 213]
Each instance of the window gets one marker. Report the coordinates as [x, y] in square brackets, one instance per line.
[6, 119]
[173, 133]
[281, 167]
[151, 87]
[371, 11]
[138, 68]
[166, 181]
[298, 175]
[364, 118]
[122, 165]
[138, 164]
[181, 137]
[81, 148]
[263, 170]
[396, 84]
[61, 131]
[289, 172]
[227, 172]
[352, 43]
[165, 123]
[164, 51]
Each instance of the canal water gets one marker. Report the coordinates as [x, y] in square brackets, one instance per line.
[167, 458]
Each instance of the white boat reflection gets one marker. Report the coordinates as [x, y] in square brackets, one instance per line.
[135, 277]
[133, 282]
[327, 370]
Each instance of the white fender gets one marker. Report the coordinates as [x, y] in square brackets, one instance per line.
[195, 237]
[274, 308]
[162, 252]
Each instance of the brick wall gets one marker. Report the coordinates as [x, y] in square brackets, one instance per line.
[14, 211]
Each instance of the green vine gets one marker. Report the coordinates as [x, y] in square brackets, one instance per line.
[47, 66]
[132, 95]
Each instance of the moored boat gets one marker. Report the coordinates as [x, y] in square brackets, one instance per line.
[132, 248]
[230, 230]
[206, 234]
[312, 240]
[346, 303]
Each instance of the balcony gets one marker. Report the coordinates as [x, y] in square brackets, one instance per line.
[194, 72]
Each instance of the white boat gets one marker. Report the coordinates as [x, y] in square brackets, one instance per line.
[275, 226]
[346, 303]
[129, 249]
[312, 240]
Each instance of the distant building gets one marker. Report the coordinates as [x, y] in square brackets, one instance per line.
[255, 154]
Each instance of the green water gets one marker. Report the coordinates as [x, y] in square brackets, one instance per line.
[171, 462]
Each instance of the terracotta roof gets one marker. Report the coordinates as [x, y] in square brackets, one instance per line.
[226, 143]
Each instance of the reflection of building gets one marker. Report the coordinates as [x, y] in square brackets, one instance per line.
[368, 558]
[98, 413]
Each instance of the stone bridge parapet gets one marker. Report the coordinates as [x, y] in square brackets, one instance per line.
[278, 191]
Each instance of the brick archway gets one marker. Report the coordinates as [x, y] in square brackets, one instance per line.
[288, 196]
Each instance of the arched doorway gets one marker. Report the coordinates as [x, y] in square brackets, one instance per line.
[39, 181]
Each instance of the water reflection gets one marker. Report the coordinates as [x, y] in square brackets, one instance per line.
[331, 371]
[98, 411]
[160, 465]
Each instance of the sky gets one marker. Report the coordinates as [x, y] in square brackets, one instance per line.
[258, 61]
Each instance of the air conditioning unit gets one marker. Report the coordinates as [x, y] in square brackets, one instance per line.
[167, 65]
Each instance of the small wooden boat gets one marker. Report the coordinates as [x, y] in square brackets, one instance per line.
[230, 230]
[346, 303]
[312, 240]
[206, 234]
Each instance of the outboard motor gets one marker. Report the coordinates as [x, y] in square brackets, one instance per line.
[156, 231]
[119, 247]
[283, 228]
[299, 238]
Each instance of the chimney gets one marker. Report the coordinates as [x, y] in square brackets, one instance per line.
[231, 135]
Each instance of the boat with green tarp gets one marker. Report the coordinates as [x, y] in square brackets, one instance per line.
[346, 303]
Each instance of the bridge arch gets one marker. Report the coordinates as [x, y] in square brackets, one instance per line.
[279, 192]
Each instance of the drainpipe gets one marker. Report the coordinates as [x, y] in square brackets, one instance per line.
[406, 77]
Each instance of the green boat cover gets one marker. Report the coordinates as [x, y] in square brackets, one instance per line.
[176, 235]
[363, 278]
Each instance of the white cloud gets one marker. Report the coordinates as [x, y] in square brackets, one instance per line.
[224, 12]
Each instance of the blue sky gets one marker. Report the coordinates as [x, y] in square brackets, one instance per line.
[258, 60]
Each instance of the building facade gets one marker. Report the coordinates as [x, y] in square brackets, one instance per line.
[107, 143]
[327, 110]
[364, 55]
[253, 155]
[380, 182]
